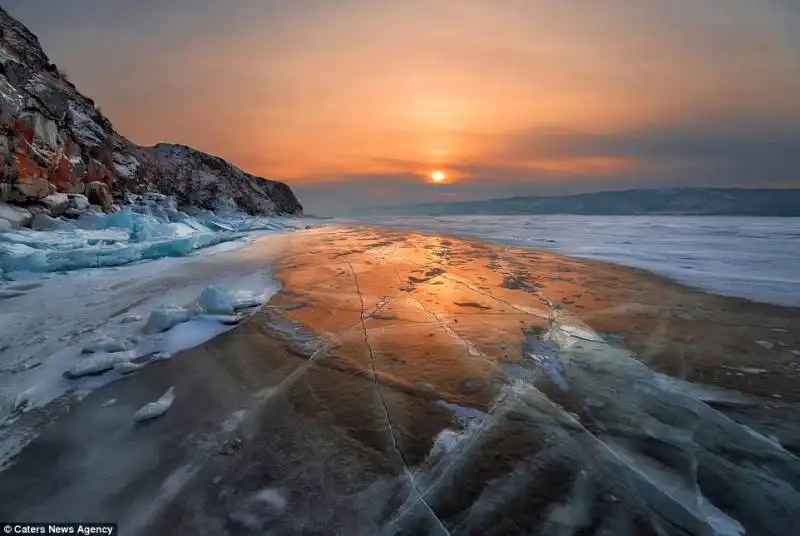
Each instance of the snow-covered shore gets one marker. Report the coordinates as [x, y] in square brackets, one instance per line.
[80, 309]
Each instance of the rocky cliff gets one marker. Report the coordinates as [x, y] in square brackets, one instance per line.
[55, 140]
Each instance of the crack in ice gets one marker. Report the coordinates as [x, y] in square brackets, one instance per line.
[406, 470]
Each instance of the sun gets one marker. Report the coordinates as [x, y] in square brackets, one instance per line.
[438, 176]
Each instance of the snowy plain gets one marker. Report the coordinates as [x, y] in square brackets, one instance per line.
[748, 257]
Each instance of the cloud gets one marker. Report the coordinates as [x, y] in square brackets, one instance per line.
[744, 150]
[353, 102]
[714, 152]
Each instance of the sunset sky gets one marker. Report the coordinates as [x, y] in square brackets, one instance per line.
[355, 102]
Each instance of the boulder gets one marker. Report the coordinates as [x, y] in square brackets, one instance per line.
[43, 222]
[38, 209]
[98, 193]
[32, 188]
[56, 203]
[78, 202]
[16, 216]
[201, 180]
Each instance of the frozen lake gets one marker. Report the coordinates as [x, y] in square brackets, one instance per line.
[754, 258]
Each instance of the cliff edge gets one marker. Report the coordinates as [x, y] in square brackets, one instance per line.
[53, 139]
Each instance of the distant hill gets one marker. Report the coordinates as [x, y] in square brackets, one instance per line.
[680, 201]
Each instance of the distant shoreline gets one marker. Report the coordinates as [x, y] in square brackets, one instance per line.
[775, 202]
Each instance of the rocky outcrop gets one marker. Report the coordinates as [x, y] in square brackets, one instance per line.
[205, 181]
[54, 140]
[12, 217]
[98, 193]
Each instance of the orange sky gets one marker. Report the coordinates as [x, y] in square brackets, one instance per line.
[513, 91]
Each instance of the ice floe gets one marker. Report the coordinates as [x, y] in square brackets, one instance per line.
[155, 409]
[169, 329]
[97, 364]
[149, 226]
[166, 317]
[216, 300]
[107, 344]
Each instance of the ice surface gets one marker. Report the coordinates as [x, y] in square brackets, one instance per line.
[716, 522]
[150, 227]
[182, 336]
[127, 367]
[444, 444]
[156, 409]
[545, 354]
[271, 497]
[260, 509]
[642, 441]
[749, 257]
[45, 324]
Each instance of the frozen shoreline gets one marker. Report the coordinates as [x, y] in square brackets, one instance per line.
[48, 321]
[581, 401]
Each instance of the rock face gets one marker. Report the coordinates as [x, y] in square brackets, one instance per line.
[54, 140]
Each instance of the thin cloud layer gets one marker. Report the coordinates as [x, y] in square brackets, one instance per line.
[355, 102]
